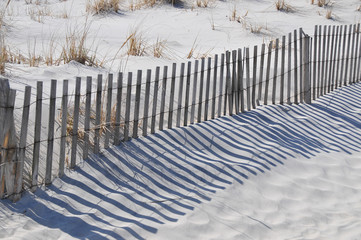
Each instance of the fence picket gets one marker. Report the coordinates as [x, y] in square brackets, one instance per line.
[356, 52]
[283, 53]
[221, 74]
[74, 138]
[49, 153]
[137, 104]
[118, 109]
[235, 82]
[180, 95]
[352, 51]
[332, 60]
[64, 118]
[296, 68]
[87, 117]
[240, 79]
[194, 91]
[171, 97]
[254, 77]
[146, 103]
[200, 95]
[127, 107]
[261, 74]
[108, 111]
[37, 134]
[248, 80]
[186, 101]
[163, 94]
[214, 92]
[229, 84]
[98, 110]
[347, 53]
[301, 60]
[208, 83]
[268, 71]
[155, 100]
[314, 76]
[289, 66]
[275, 73]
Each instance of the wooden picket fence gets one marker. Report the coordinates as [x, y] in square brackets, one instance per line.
[294, 69]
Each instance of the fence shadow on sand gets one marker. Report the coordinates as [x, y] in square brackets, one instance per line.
[129, 191]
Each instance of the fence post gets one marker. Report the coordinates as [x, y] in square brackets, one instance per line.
[22, 145]
[8, 142]
[306, 70]
[74, 138]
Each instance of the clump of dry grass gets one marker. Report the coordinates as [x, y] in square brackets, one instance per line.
[38, 13]
[282, 6]
[135, 44]
[322, 3]
[102, 6]
[202, 3]
[138, 4]
[159, 48]
[329, 14]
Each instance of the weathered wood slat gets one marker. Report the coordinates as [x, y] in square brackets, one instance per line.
[260, 84]
[118, 109]
[235, 81]
[327, 60]
[49, 153]
[254, 77]
[295, 87]
[171, 97]
[214, 92]
[64, 118]
[146, 102]
[229, 83]
[289, 70]
[306, 70]
[186, 100]
[200, 95]
[301, 60]
[268, 72]
[356, 54]
[342, 79]
[137, 104]
[221, 94]
[248, 80]
[332, 60]
[37, 134]
[319, 70]
[74, 137]
[180, 95]
[163, 95]
[194, 91]
[283, 59]
[337, 64]
[208, 83]
[314, 76]
[127, 107]
[155, 100]
[353, 31]
[240, 79]
[348, 55]
[98, 110]
[108, 111]
[22, 144]
[274, 89]
[87, 117]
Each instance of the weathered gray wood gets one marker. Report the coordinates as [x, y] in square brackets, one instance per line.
[74, 138]
[208, 82]
[275, 73]
[301, 60]
[332, 60]
[98, 110]
[180, 95]
[319, 63]
[268, 71]
[306, 70]
[200, 95]
[295, 68]
[214, 92]
[342, 79]
[337, 56]
[261, 74]
[137, 104]
[171, 97]
[348, 55]
[248, 80]
[289, 66]
[155, 100]
[221, 94]
[22, 145]
[283, 59]
[8, 140]
[228, 83]
[194, 91]
[323, 61]
[37, 133]
[49, 153]
[127, 107]
[254, 77]
[146, 102]
[88, 97]
[108, 111]
[118, 109]
[352, 53]
[186, 100]
[314, 76]
[163, 94]
[358, 77]
[327, 60]
[354, 79]
[235, 89]
[64, 124]
[240, 79]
